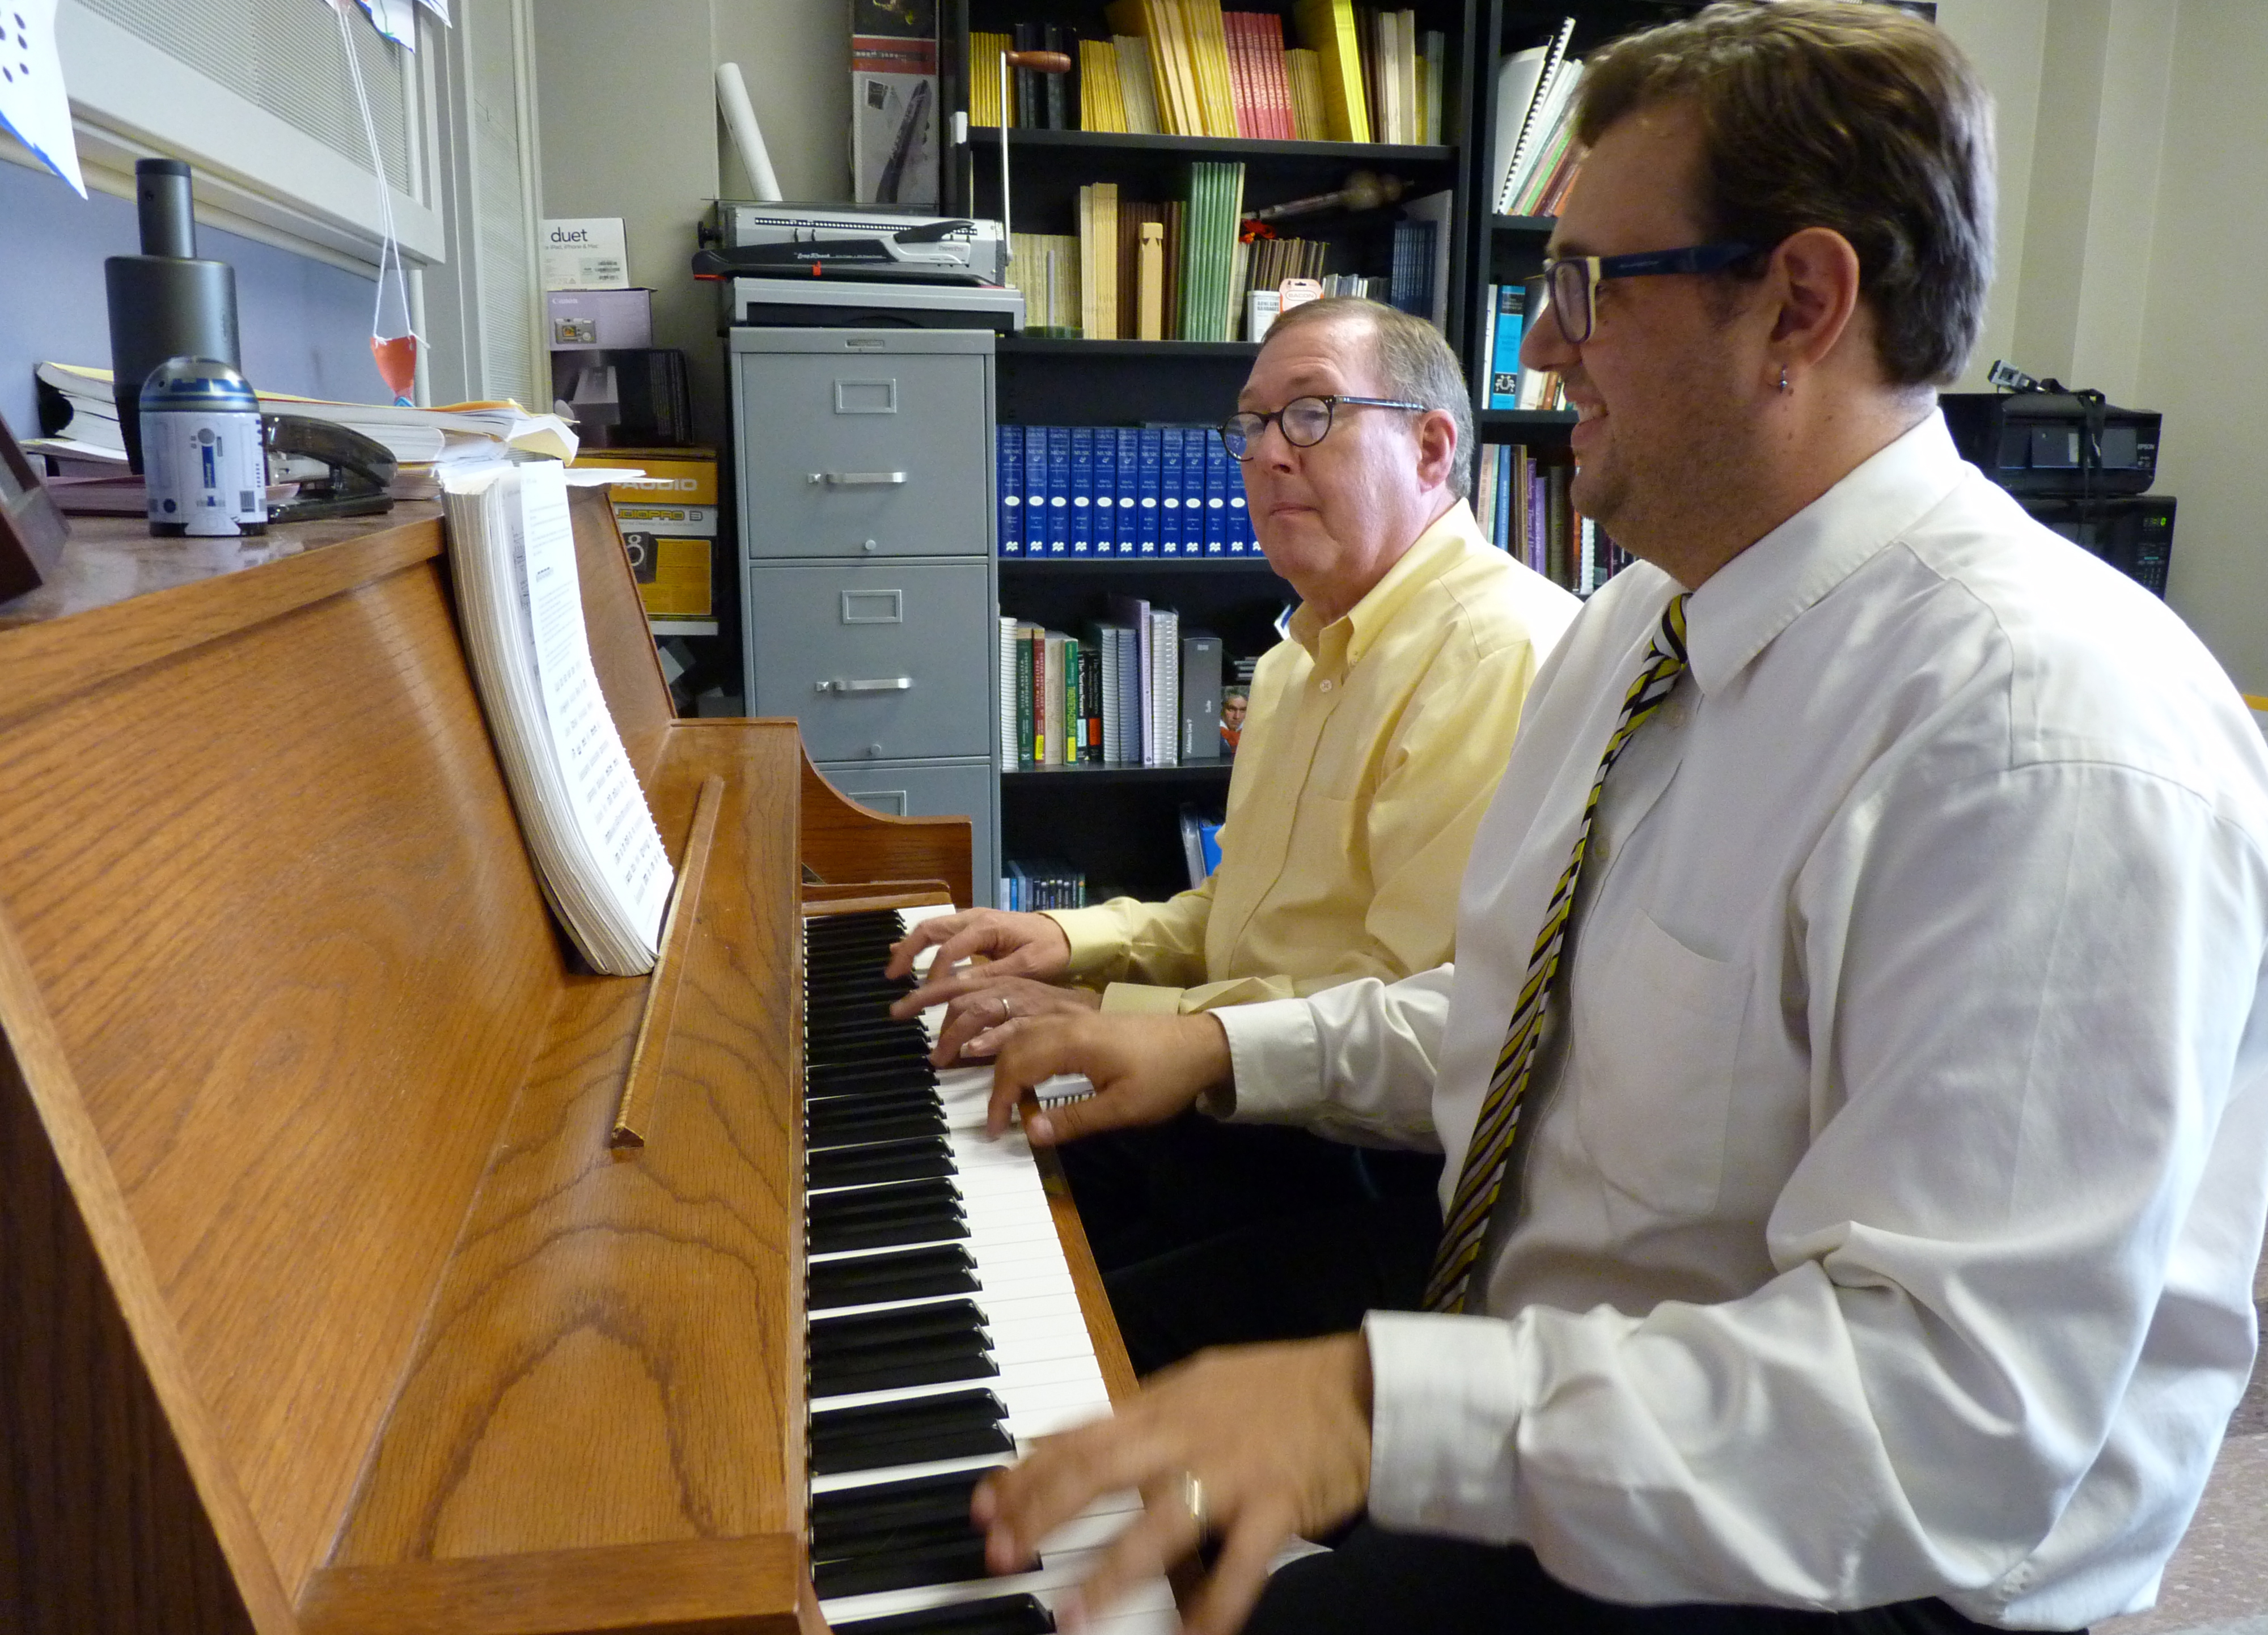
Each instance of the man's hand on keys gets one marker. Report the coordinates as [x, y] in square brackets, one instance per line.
[1144, 1069]
[1248, 1446]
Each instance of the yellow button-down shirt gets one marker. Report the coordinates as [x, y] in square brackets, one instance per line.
[1371, 748]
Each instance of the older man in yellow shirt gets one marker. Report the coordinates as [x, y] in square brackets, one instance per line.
[1373, 743]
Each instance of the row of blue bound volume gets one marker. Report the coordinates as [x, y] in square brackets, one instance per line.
[1073, 491]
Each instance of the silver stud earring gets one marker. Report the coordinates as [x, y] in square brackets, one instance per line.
[1783, 378]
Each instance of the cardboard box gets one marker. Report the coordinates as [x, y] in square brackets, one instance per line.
[672, 575]
[598, 320]
[673, 476]
[585, 253]
[684, 522]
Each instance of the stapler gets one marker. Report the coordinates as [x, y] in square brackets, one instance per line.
[340, 473]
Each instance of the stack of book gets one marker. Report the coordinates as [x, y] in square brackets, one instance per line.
[1045, 266]
[1534, 160]
[1079, 492]
[1186, 68]
[1112, 697]
[1140, 271]
[1043, 884]
[1521, 500]
[1209, 290]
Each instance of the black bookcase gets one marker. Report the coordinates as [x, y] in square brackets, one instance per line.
[1117, 823]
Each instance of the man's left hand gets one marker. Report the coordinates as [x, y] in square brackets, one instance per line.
[1270, 1439]
[978, 1011]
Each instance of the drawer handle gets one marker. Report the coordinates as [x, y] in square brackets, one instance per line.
[859, 479]
[879, 684]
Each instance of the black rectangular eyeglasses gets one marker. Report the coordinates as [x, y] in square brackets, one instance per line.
[1572, 281]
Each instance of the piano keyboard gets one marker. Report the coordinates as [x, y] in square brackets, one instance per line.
[944, 1331]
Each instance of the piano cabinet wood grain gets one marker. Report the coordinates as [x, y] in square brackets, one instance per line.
[326, 1307]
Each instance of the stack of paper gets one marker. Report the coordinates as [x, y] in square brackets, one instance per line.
[512, 549]
[76, 403]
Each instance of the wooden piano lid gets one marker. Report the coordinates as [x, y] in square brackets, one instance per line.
[333, 1310]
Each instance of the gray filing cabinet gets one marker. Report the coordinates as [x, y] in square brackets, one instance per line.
[870, 604]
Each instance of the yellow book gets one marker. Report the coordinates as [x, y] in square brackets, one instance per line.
[1303, 72]
[1170, 47]
[1098, 259]
[984, 80]
[1329, 27]
[1209, 49]
[1136, 85]
[1094, 100]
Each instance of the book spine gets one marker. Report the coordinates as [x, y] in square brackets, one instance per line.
[1239, 511]
[1169, 492]
[1058, 490]
[1129, 491]
[1151, 541]
[1216, 495]
[1008, 450]
[1193, 493]
[1036, 491]
[1506, 333]
[1106, 491]
[1082, 490]
[1090, 699]
[1027, 727]
[1005, 661]
[1073, 718]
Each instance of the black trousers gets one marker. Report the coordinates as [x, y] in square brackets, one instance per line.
[1377, 1581]
[1225, 1234]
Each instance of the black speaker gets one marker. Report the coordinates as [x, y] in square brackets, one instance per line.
[165, 302]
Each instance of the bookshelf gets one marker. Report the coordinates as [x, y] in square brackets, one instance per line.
[1119, 824]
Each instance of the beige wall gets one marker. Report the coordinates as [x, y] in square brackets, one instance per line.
[2133, 247]
[629, 129]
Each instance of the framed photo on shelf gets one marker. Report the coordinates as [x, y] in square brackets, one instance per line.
[31, 530]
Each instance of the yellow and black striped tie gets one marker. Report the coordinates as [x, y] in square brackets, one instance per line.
[1481, 1183]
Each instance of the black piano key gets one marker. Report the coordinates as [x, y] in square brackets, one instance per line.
[868, 1329]
[831, 1053]
[844, 1521]
[996, 1615]
[942, 1226]
[851, 1104]
[934, 1271]
[880, 1160]
[829, 1134]
[926, 1362]
[959, 1424]
[857, 1078]
[912, 1562]
[882, 1200]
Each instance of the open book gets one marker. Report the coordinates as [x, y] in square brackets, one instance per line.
[596, 849]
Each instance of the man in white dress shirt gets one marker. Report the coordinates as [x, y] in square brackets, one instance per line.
[1874, 1251]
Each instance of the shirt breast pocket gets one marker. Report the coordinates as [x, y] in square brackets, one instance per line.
[1657, 1031]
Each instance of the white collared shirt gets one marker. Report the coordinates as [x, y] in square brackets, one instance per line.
[1890, 1187]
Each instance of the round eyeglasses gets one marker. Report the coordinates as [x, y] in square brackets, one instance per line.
[1572, 281]
[1304, 421]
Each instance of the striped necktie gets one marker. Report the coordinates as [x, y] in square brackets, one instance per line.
[1481, 1183]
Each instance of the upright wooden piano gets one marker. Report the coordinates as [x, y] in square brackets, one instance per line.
[328, 1308]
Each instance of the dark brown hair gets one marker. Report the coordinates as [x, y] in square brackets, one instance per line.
[1414, 364]
[1861, 118]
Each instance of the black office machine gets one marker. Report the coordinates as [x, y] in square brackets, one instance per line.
[2076, 462]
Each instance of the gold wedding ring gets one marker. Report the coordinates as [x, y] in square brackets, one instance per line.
[1193, 1500]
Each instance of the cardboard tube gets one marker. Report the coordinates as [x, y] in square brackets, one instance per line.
[740, 119]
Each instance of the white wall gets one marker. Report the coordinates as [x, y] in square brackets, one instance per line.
[629, 108]
[2133, 226]
[2203, 335]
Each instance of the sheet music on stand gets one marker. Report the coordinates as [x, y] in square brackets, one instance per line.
[586, 819]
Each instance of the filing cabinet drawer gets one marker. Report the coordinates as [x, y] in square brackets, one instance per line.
[864, 455]
[928, 789]
[886, 662]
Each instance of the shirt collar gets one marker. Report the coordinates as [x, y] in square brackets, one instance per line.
[1346, 638]
[1742, 606]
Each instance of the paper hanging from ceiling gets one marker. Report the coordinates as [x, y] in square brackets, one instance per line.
[33, 105]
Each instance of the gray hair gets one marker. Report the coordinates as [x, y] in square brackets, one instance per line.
[1414, 364]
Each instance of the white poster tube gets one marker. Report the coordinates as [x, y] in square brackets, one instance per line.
[740, 119]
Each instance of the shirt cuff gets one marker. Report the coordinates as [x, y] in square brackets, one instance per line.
[1277, 1057]
[1447, 1393]
[1132, 998]
[1095, 935]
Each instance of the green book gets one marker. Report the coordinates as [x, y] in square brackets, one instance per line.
[1026, 730]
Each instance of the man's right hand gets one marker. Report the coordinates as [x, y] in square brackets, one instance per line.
[1016, 945]
[1146, 1069]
